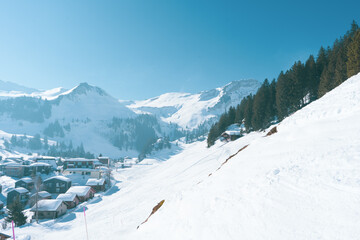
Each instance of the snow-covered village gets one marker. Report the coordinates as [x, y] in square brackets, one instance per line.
[179, 120]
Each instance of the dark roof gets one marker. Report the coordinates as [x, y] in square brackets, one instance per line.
[4, 235]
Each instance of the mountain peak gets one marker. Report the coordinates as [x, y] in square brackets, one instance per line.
[84, 88]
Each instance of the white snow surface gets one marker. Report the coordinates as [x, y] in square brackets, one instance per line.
[300, 183]
[190, 110]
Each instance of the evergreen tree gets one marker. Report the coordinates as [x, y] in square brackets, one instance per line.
[340, 67]
[240, 109]
[15, 213]
[35, 142]
[248, 112]
[46, 143]
[261, 98]
[353, 54]
[282, 96]
[311, 80]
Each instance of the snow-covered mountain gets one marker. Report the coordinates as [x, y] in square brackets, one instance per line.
[11, 90]
[87, 115]
[299, 183]
[190, 110]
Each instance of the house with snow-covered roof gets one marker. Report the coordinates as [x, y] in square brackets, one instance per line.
[3, 236]
[49, 209]
[40, 167]
[97, 184]
[71, 200]
[52, 161]
[39, 196]
[18, 193]
[57, 184]
[16, 170]
[232, 133]
[81, 163]
[25, 182]
[104, 160]
[84, 193]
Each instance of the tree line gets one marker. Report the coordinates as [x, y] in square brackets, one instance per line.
[295, 88]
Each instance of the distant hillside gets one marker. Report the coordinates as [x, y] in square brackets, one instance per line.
[86, 118]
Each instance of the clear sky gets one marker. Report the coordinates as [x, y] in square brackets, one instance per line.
[140, 49]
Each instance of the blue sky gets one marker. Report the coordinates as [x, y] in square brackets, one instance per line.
[140, 49]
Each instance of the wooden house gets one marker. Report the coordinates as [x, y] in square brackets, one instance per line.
[16, 170]
[49, 209]
[52, 161]
[104, 161]
[84, 193]
[71, 200]
[57, 184]
[97, 184]
[80, 163]
[94, 173]
[25, 182]
[4, 236]
[40, 167]
[39, 196]
[18, 193]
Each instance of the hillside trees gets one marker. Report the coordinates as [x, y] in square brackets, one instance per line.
[15, 213]
[353, 54]
[296, 87]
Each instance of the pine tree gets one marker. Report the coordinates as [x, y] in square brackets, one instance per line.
[248, 112]
[15, 213]
[312, 82]
[353, 54]
[282, 97]
[261, 98]
[340, 67]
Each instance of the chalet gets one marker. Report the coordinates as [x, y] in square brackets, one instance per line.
[40, 167]
[39, 196]
[16, 170]
[71, 200]
[97, 184]
[83, 192]
[25, 182]
[94, 173]
[233, 132]
[81, 163]
[48, 160]
[228, 136]
[104, 160]
[49, 209]
[57, 184]
[4, 236]
[18, 193]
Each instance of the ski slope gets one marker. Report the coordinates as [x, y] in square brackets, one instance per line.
[302, 182]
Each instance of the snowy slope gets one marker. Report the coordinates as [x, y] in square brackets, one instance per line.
[190, 110]
[300, 183]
